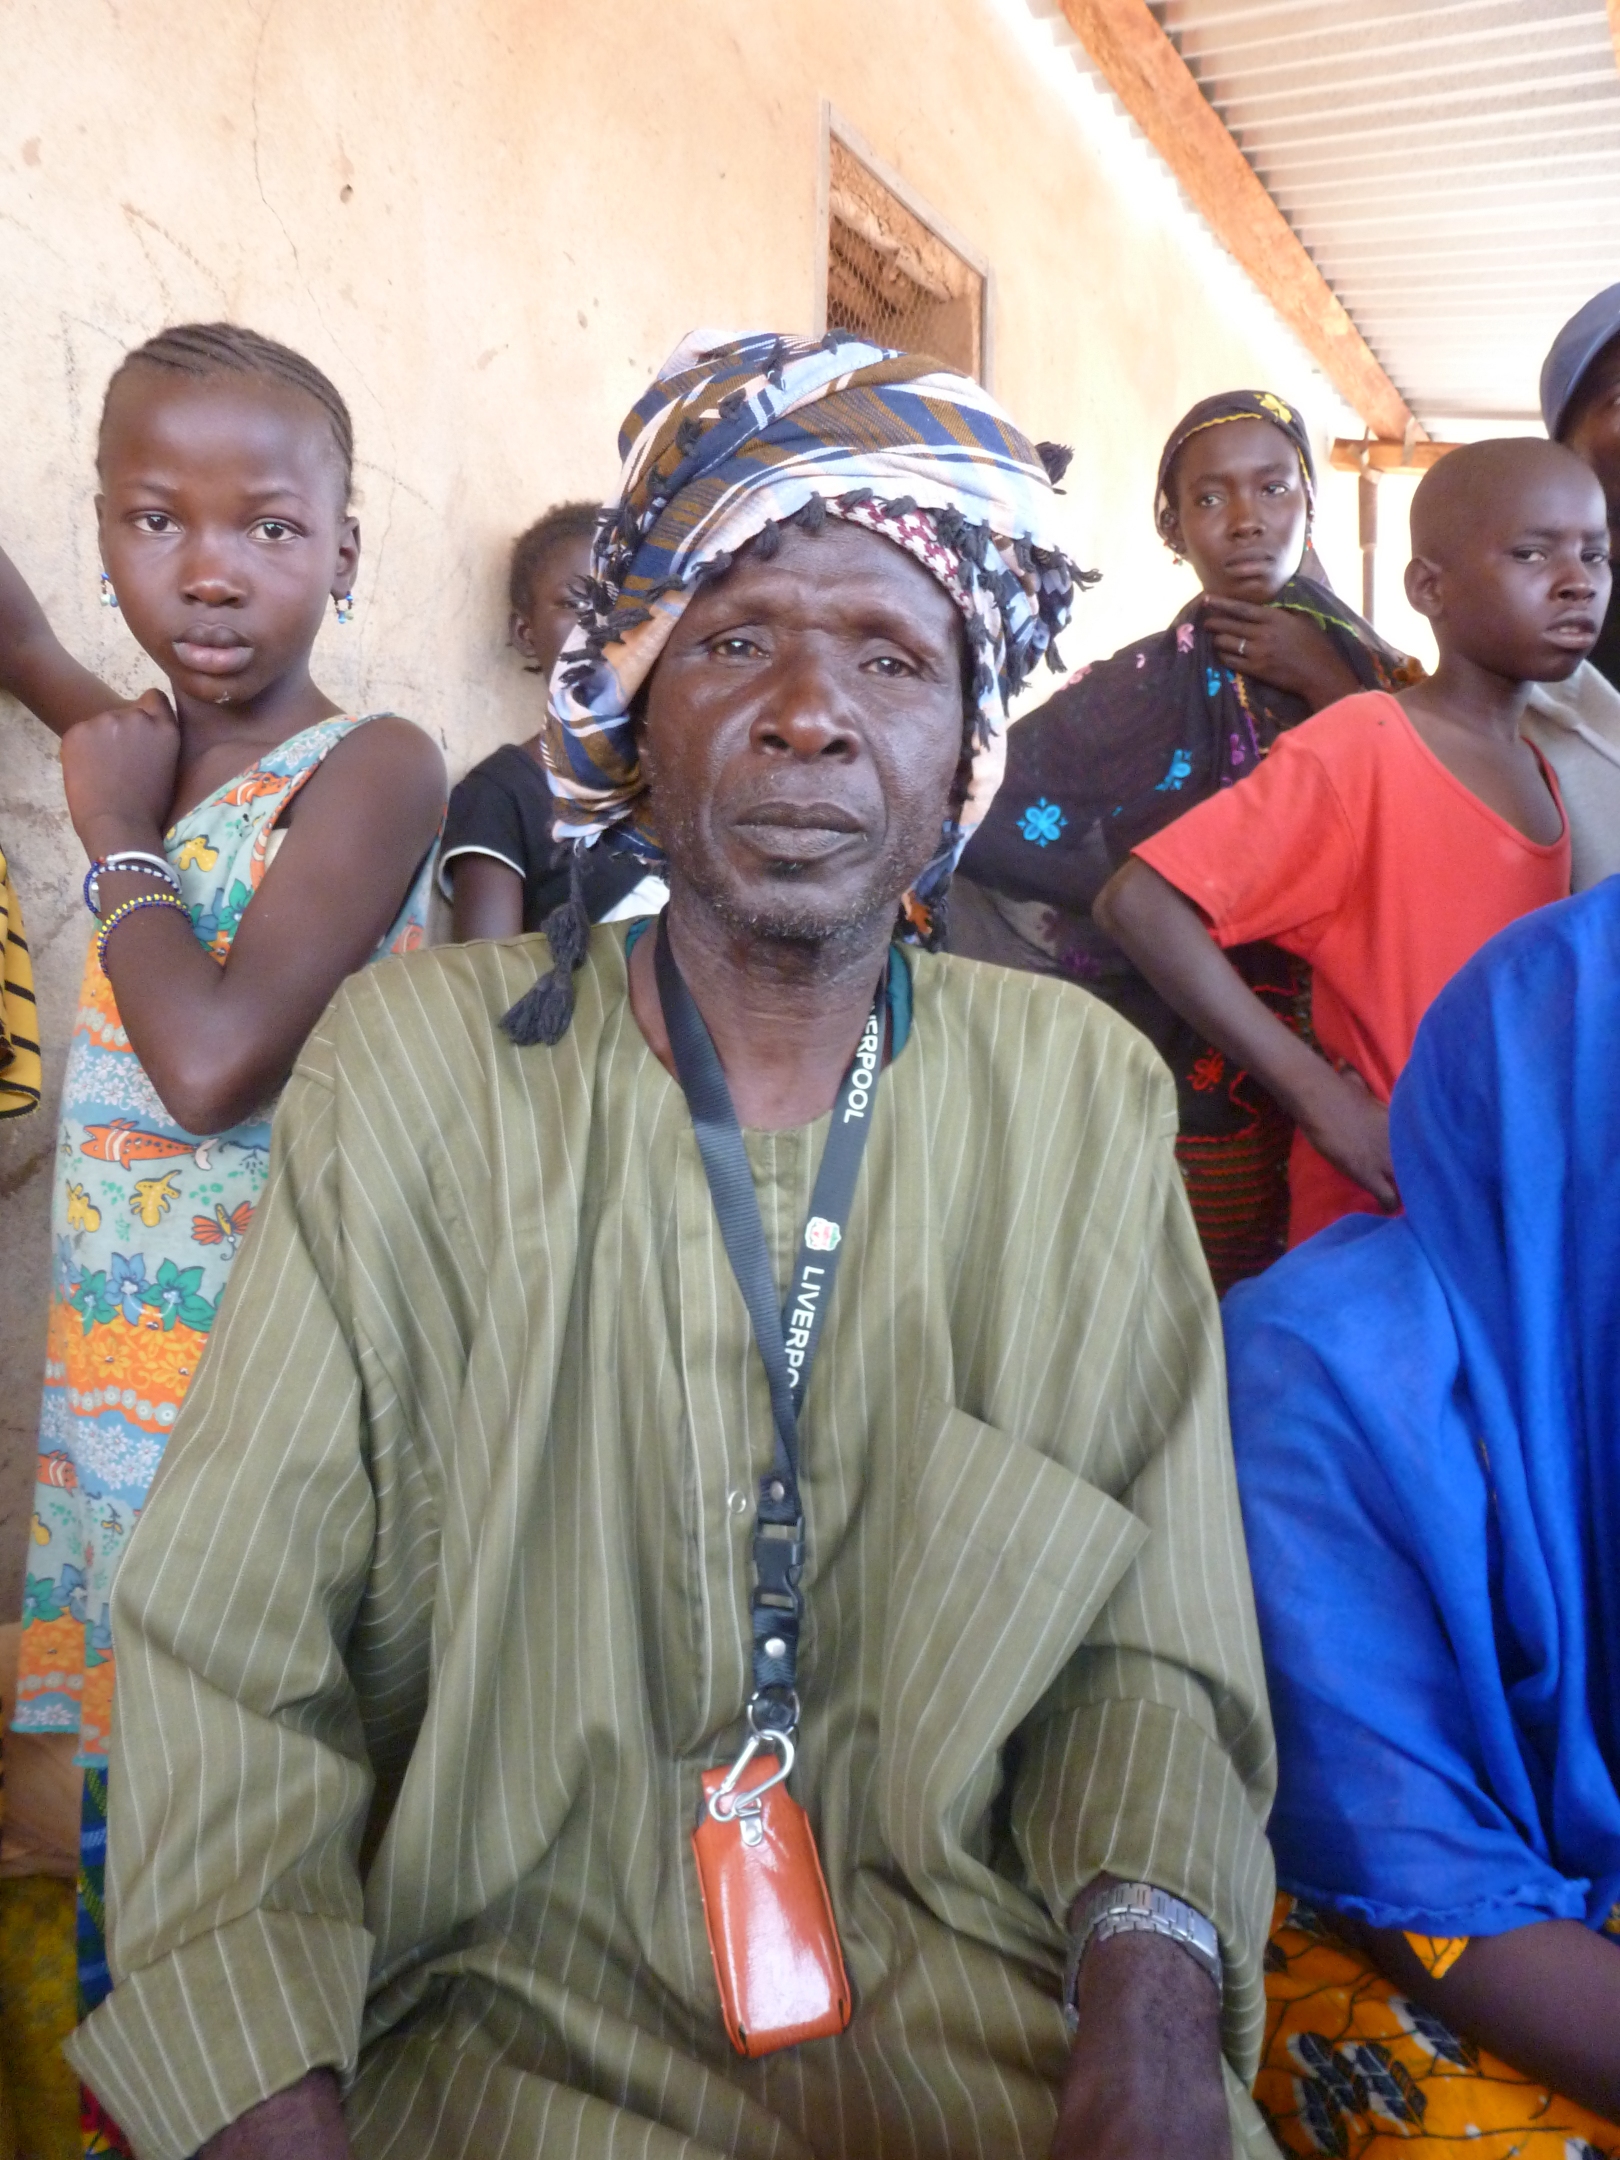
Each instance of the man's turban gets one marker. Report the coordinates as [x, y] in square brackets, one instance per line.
[737, 437]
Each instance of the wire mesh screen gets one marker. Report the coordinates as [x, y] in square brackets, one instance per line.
[892, 279]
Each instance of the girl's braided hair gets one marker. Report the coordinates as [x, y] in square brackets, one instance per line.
[201, 349]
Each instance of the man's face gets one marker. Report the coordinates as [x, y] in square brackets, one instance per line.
[803, 729]
[1522, 586]
[1594, 434]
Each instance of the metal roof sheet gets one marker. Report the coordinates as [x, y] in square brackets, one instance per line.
[1452, 168]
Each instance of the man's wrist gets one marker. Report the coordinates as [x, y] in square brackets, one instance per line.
[1110, 1908]
[1144, 2079]
[302, 2122]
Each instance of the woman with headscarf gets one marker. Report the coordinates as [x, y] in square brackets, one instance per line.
[1424, 1417]
[1134, 741]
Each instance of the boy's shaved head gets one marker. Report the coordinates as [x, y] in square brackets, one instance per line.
[1510, 558]
[1480, 484]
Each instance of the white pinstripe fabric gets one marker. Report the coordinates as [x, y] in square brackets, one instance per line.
[449, 1532]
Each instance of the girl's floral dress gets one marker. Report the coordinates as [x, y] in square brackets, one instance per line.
[146, 1223]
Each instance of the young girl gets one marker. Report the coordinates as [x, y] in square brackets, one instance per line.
[1138, 738]
[250, 846]
[499, 867]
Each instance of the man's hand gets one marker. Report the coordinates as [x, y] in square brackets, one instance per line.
[1144, 2080]
[119, 770]
[1345, 1121]
[303, 2123]
[1279, 646]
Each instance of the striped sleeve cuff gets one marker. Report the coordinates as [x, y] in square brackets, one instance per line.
[1144, 1792]
[184, 2047]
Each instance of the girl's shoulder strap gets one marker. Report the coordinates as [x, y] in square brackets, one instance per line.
[302, 752]
[269, 784]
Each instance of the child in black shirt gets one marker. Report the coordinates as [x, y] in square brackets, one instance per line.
[499, 866]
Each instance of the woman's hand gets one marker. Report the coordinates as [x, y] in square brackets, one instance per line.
[119, 771]
[1279, 646]
[1343, 1120]
[1545, 1997]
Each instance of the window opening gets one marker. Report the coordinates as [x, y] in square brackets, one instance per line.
[891, 278]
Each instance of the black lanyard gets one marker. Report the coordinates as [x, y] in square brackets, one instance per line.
[787, 1339]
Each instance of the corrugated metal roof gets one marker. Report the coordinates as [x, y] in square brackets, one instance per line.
[1452, 168]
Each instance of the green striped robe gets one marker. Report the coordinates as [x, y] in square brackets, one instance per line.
[439, 1605]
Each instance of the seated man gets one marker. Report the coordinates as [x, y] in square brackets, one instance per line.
[480, 1553]
[1425, 1420]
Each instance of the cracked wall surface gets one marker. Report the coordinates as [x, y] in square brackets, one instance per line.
[488, 224]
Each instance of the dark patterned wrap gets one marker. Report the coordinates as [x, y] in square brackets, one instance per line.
[1122, 750]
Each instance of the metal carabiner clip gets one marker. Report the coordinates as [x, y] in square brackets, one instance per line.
[721, 1806]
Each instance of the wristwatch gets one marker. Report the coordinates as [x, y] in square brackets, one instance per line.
[1138, 1908]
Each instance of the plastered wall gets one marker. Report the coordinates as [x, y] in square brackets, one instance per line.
[489, 223]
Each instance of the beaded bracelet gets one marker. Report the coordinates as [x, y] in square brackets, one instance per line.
[131, 907]
[133, 862]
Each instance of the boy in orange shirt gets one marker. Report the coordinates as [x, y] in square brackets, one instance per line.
[1388, 838]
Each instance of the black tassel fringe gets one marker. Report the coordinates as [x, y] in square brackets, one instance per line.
[543, 1013]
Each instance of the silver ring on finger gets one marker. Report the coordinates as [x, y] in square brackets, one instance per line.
[1243, 646]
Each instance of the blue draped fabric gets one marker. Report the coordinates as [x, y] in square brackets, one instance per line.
[1426, 1413]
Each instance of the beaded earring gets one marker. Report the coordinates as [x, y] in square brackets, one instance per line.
[344, 605]
[108, 597]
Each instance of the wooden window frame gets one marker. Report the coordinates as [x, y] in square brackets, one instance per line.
[835, 126]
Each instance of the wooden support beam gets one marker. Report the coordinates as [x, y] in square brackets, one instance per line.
[1159, 91]
[1351, 455]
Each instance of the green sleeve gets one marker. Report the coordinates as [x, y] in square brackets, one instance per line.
[239, 1780]
[1151, 1757]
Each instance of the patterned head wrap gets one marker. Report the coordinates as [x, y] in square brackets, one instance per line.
[1214, 412]
[734, 439]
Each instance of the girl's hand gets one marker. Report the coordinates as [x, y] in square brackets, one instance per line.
[1281, 647]
[34, 669]
[119, 771]
[1345, 1121]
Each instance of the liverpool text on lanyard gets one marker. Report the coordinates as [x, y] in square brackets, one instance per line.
[787, 1337]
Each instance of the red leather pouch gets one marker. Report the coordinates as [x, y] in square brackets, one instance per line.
[770, 1923]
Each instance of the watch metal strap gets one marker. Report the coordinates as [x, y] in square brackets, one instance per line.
[1140, 1908]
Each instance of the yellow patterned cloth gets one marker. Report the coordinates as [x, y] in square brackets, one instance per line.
[19, 1022]
[38, 2009]
[1353, 2069]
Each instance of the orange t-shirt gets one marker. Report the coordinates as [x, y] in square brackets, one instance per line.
[1353, 846]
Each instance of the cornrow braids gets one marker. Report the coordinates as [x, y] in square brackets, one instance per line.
[563, 521]
[203, 349]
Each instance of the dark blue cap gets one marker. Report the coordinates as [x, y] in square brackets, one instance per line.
[1574, 349]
